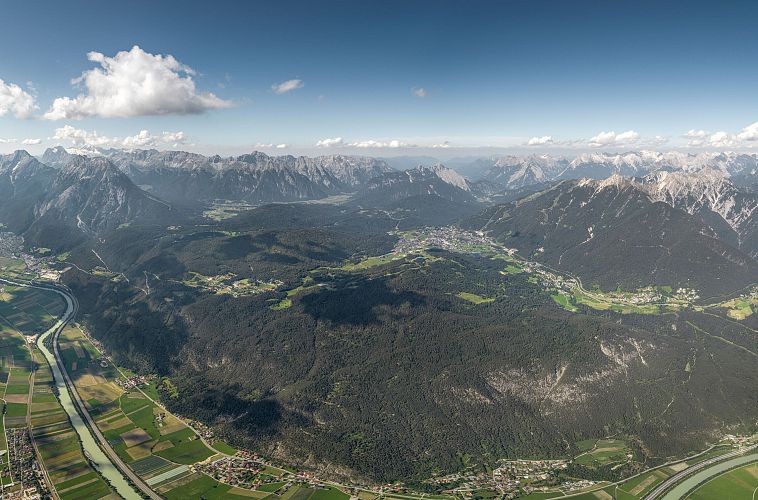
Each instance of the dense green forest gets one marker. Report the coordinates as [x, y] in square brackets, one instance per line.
[387, 369]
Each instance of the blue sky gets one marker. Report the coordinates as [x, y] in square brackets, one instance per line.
[469, 75]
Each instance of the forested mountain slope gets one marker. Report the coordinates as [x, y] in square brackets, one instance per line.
[613, 233]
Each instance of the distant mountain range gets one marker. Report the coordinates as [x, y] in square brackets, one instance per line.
[179, 176]
[83, 198]
[432, 195]
[709, 194]
[105, 189]
[510, 172]
[690, 230]
[182, 177]
[436, 180]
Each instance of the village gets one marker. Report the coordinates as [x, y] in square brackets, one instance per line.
[449, 238]
[24, 467]
[511, 479]
[41, 266]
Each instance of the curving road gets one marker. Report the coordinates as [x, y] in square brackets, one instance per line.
[661, 490]
[96, 447]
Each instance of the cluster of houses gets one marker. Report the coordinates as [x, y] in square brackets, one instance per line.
[236, 471]
[11, 245]
[133, 382]
[448, 238]
[26, 472]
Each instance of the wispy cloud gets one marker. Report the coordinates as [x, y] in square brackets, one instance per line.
[372, 144]
[288, 86]
[419, 92]
[339, 142]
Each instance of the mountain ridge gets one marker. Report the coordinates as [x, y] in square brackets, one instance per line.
[613, 232]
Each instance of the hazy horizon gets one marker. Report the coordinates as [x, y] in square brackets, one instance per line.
[381, 79]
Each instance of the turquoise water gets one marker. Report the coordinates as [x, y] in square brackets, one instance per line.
[681, 489]
[97, 457]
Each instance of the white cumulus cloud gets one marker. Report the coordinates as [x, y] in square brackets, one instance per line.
[613, 139]
[270, 145]
[540, 141]
[697, 138]
[135, 83]
[330, 142]
[749, 133]
[31, 142]
[288, 86]
[721, 140]
[80, 137]
[696, 134]
[15, 100]
[419, 91]
[174, 137]
[143, 139]
[140, 140]
[8, 141]
[628, 137]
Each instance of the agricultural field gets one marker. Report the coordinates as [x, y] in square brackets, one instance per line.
[225, 209]
[603, 452]
[601, 494]
[31, 311]
[28, 310]
[737, 484]
[538, 495]
[154, 443]
[636, 487]
[224, 448]
[229, 284]
[197, 486]
[14, 269]
[15, 363]
[474, 298]
[601, 301]
[740, 308]
[69, 471]
[641, 485]
[564, 301]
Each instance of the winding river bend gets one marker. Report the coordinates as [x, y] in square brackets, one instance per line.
[104, 465]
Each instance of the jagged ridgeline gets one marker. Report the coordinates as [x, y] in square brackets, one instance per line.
[181, 177]
[618, 232]
[310, 332]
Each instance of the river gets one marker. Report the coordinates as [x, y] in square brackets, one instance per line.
[96, 455]
[682, 489]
